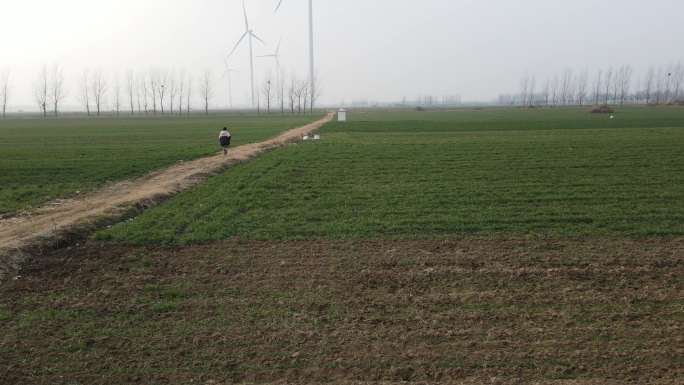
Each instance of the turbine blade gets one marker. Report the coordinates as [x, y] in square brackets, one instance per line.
[244, 10]
[236, 45]
[278, 6]
[257, 37]
[278, 47]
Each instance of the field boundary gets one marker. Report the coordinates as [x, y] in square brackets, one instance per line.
[64, 221]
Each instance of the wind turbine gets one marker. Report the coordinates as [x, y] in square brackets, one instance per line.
[311, 50]
[279, 79]
[226, 74]
[275, 55]
[249, 33]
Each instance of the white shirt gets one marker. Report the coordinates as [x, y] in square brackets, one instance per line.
[224, 134]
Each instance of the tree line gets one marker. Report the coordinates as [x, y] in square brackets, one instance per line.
[150, 92]
[293, 95]
[613, 85]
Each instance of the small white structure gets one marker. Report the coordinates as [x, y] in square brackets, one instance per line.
[342, 115]
[317, 137]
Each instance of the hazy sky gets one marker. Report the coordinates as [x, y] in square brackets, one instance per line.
[365, 49]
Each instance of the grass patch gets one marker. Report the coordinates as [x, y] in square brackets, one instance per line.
[43, 159]
[548, 172]
[173, 292]
[164, 307]
[5, 315]
[32, 318]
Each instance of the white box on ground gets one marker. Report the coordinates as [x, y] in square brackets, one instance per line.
[342, 115]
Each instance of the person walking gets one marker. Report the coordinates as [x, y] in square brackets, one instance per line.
[224, 140]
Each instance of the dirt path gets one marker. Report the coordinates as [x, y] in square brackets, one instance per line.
[48, 222]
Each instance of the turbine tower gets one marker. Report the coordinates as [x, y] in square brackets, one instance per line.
[311, 51]
[249, 33]
[226, 74]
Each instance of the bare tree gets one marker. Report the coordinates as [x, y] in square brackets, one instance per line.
[153, 84]
[138, 97]
[625, 82]
[315, 93]
[667, 80]
[188, 94]
[85, 90]
[258, 102]
[616, 85]
[301, 91]
[206, 90]
[648, 85]
[524, 85]
[660, 85]
[292, 92]
[545, 92]
[57, 93]
[117, 95]
[607, 84]
[281, 90]
[554, 90]
[298, 96]
[530, 91]
[98, 86]
[162, 78]
[582, 84]
[617, 80]
[41, 91]
[312, 92]
[305, 95]
[130, 91]
[172, 88]
[597, 86]
[527, 89]
[181, 89]
[566, 86]
[678, 77]
[143, 92]
[4, 91]
[268, 92]
[504, 99]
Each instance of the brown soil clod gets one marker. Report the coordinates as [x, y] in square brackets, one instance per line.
[469, 311]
